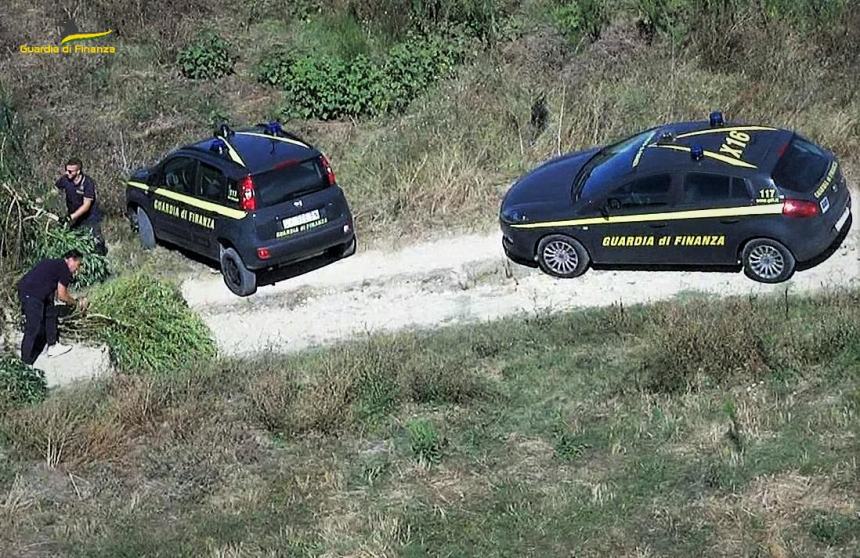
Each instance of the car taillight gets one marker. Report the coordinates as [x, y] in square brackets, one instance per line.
[263, 253]
[799, 208]
[328, 172]
[247, 194]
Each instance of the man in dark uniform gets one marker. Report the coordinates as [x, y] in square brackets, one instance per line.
[80, 191]
[36, 292]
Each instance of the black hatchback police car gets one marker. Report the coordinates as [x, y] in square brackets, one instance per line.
[252, 199]
[690, 193]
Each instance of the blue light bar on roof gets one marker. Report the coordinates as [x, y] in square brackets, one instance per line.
[273, 128]
[218, 145]
[696, 152]
[716, 118]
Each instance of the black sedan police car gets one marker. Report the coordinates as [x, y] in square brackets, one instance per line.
[690, 193]
[252, 199]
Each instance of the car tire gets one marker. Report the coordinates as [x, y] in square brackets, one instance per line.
[145, 230]
[238, 278]
[344, 250]
[562, 256]
[350, 248]
[767, 261]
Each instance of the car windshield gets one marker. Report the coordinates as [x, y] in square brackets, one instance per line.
[608, 159]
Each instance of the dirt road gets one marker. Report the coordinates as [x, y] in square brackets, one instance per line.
[448, 281]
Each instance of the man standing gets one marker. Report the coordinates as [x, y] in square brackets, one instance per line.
[36, 292]
[80, 191]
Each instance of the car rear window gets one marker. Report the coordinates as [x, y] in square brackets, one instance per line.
[801, 167]
[288, 182]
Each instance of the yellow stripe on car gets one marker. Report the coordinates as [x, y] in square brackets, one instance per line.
[277, 138]
[725, 130]
[771, 209]
[709, 154]
[201, 204]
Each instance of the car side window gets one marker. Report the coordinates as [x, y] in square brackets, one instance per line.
[714, 189]
[643, 193]
[212, 183]
[179, 175]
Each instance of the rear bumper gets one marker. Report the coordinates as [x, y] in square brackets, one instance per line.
[307, 245]
[818, 242]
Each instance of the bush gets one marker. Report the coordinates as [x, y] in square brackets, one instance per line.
[578, 20]
[358, 384]
[738, 341]
[327, 87]
[55, 241]
[20, 384]
[73, 428]
[717, 341]
[208, 57]
[146, 324]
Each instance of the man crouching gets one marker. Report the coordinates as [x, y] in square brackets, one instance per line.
[36, 291]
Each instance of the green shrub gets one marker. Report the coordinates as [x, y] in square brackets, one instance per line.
[20, 384]
[209, 57]
[327, 87]
[578, 20]
[146, 324]
[832, 528]
[55, 241]
[425, 442]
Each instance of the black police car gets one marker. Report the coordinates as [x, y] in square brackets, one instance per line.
[700, 193]
[252, 199]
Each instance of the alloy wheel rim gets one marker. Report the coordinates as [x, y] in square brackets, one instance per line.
[766, 261]
[560, 257]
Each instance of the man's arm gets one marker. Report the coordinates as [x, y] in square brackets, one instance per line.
[64, 295]
[88, 203]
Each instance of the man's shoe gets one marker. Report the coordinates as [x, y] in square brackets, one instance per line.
[58, 349]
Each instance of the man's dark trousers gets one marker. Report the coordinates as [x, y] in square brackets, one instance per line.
[40, 326]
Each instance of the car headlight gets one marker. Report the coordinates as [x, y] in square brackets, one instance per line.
[513, 215]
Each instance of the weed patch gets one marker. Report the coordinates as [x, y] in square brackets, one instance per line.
[20, 384]
[425, 442]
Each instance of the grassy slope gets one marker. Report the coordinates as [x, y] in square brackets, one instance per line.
[548, 440]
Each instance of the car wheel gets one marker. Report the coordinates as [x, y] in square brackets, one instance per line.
[145, 230]
[562, 256]
[344, 250]
[767, 261]
[238, 278]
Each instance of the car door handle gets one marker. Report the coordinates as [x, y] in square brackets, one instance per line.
[657, 225]
[729, 221]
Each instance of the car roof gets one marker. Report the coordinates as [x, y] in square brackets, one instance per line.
[668, 148]
[253, 150]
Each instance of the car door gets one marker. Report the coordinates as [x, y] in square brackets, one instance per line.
[171, 201]
[636, 220]
[211, 190]
[715, 205]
